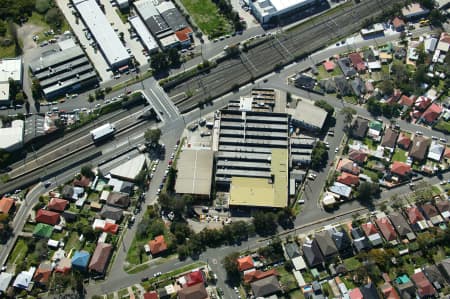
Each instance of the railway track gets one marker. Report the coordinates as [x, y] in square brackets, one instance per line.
[261, 60]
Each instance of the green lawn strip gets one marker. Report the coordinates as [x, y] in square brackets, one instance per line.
[348, 283]
[400, 155]
[134, 80]
[147, 284]
[372, 174]
[351, 99]
[436, 190]
[352, 263]
[7, 52]
[443, 126]
[123, 293]
[137, 269]
[133, 257]
[287, 279]
[73, 241]
[370, 143]
[207, 17]
[19, 252]
[297, 294]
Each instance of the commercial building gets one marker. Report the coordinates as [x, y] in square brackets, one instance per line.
[414, 11]
[144, 34]
[252, 158]
[308, 116]
[109, 43]
[273, 11]
[10, 68]
[165, 22]
[64, 72]
[129, 170]
[11, 138]
[194, 174]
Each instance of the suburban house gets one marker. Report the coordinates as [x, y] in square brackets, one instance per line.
[359, 128]
[193, 278]
[436, 150]
[389, 139]
[401, 169]
[80, 260]
[386, 229]
[389, 291]
[444, 267]
[118, 199]
[346, 67]
[100, 258]
[444, 208]
[405, 287]
[47, 217]
[326, 244]
[197, 291]
[112, 213]
[348, 179]
[419, 148]
[245, 263]
[342, 242]
[57, 204]
[403, 141]
[357, 62]
[375, 129]
[43, 230]
[435, 276]
[266, 287]
[292, 250]
[432, 214]
[251, 276]
[312, 253]
[6, 204]
[371, 233]
[424, 287]
[416, 219]
[401, 226]
[398, 24]
[43, 273]
[158, 245]
[431, 114]
[357, 156]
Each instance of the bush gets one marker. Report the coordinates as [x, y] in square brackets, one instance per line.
[42, 6]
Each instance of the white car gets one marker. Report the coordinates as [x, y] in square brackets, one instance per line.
[236, 290]
[336, 150]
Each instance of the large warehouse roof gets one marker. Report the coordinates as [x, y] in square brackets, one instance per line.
[309, 114]
[57, 58]
[260, 192]
[104, 35]
[11, 68]
[194, 172]
[145, 35]
[130, 169]
[266, 8]
[12, 138]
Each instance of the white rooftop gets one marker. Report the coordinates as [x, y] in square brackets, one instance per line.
[23, 279]
[103, 33]
[436, 150]
[130, 169]
[5, 279]
[4, 91]
[66, 44]
[11, 68]
[11, 138]
[144, 34]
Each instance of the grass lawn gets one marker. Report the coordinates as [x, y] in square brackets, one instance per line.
[308, 277]
[123, 293]
[296, 294]
[207, 17]
[287, 279]
[372, 174]
[73, 241]
[352, 263]
[324, 74]
[19, 252]
[39, 20]
[443, 126]
[400, 155]
[351, 99]
[348, 283]
[436, 190]
[6, 52]
[370, 143]
[133, 253]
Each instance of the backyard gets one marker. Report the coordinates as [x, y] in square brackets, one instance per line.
[207, 17]
[400, 155]
[324, 74]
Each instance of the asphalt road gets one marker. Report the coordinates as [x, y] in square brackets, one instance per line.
[282, 48]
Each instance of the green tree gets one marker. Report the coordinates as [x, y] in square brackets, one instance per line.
[319, 156]
[159, 61]
[42, 6]
[152, 135]
[326, 106]
[91, 98]
[54, 17]
[156, 228]
[366, 191]
[348, 113]
[387, 88]
[3, 28]
[265, 223]
[20, 98]
[230, 265]
[374, 106]
[173, 56]
[87, 171]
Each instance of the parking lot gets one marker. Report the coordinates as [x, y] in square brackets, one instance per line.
[133, 44]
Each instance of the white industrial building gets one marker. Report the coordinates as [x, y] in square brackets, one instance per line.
[11, 138]
[266, 11]
[144, 34]
[109, 43]
[11, 68]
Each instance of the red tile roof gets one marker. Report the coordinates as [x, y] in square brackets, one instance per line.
[400, 168]
[357, 156]
[100, 258]
[414, 215]
[57, 204]
[47, 217]
[184, 34]
[404, 141]
[369, 228]
[406, 101]
[348, 179]
[389, 292]
[245, 263]
[42, 275]
[329, 65]
[111, 228]
[151, 295]
[430, 210]
[386, 229]
[432, 113]
[348, 165]
[258, 274]
[6, 204]
[157, 245]
[357, 61]
[355, 294]
[447, 152]
[424, 287]
[397, 22]
[193, 278]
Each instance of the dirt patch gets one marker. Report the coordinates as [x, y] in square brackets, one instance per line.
[26, 33]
